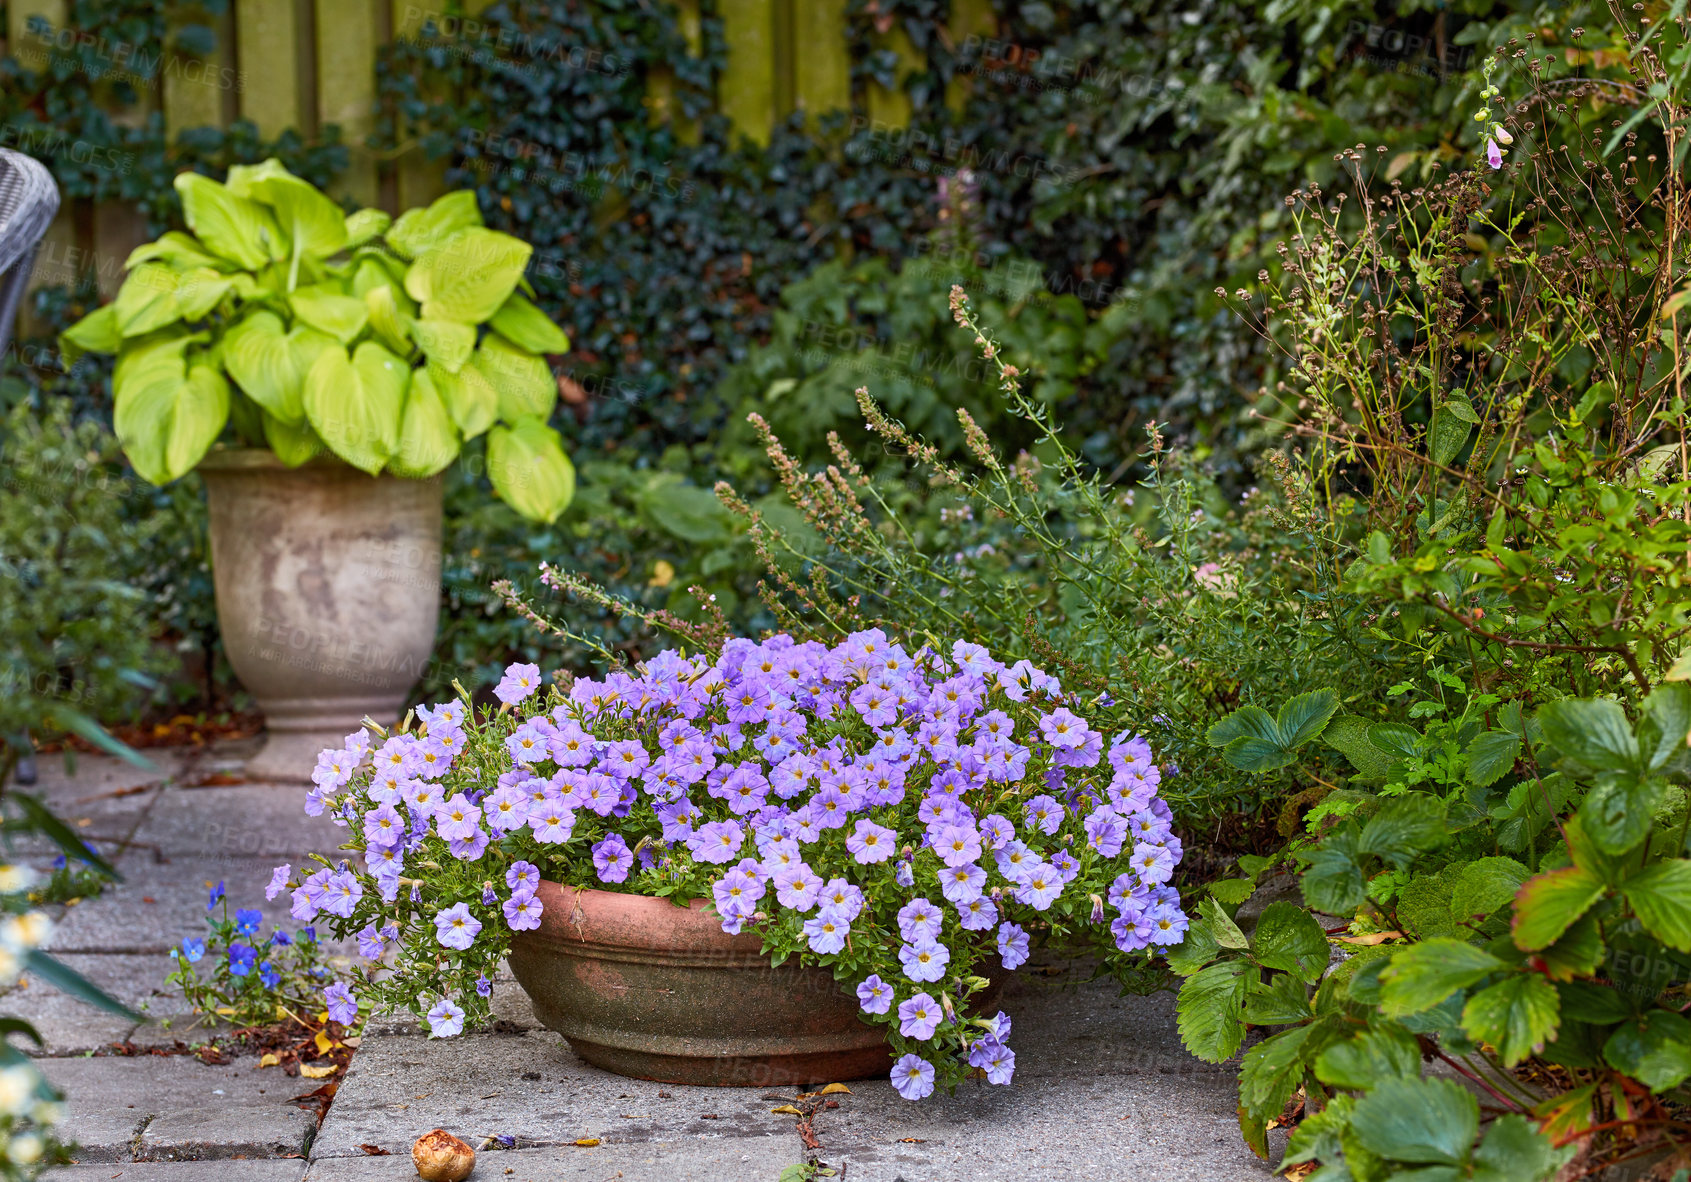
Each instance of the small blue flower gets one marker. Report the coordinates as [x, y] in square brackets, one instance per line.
[248, 920]
[484, 987]
[216, 896]
[280, 938]
[194, 950]
[308, 935]
[59, 862]
[241, 959]
[268, 974]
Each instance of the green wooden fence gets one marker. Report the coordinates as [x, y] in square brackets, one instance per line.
[308, 63]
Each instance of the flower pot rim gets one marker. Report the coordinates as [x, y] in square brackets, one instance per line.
[262, 459]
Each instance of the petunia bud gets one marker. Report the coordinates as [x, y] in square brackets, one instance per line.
[441, 1157]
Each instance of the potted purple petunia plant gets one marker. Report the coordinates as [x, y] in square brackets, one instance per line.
[904, 821]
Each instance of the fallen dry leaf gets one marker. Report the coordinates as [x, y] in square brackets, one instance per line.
[375, 1151]
[1371, 938]
[587, 1142]
[324, 1045]
[313, 1071]
[787, 1110]
[835, 1089]
[270, 1060]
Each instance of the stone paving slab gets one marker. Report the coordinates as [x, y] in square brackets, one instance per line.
[729, 1160]
[1167, 1127]
[526, 1085]
[123, 920]
[112, 1102]
[188, 1171]
[213, 825]
[71, 1027]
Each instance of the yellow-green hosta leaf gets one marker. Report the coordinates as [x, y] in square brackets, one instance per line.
[244, 180]
[354, 403]
[419, 231]
[524, 381]
[446, 342]
[428, 439]
[314, 225]
[176, 248]
[470, 398]
[236, 228]
[528, 467]
[370, 272]
[165, 413]
[365, 225]
[292, 445]
[96, 332]
[389, 321]
[200, 290]
[520, 322]
[270, 365]
[468, 277]
[147, 300]
[326, 308]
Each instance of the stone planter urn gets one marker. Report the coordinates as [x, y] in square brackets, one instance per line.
[328, 592]
[647, 989]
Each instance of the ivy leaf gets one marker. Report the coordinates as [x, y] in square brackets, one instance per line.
[1210, 1011]
[1654, 1048]
[1418, 1120]
[1490, 756]
[1518, 1015]
[1423, 975]
[1661, 898]
[1288, 937]
[1369, 1059]
[1593, 732]
[1545, 906]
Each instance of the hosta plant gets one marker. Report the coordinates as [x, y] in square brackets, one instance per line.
[290, 324]
[909, 820]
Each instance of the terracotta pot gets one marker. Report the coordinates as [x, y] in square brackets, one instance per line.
[328, 592]
[647, 989]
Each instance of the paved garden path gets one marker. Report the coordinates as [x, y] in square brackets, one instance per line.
[1103, 1089]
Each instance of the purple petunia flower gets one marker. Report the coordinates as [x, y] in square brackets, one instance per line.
[874, 994]
[523, 875]
[827, 932]
[924, 961]
[1012, 945]
[278, 880]
[919, 1017]
[1153, 863]
[919, 920]
[612, 859]
[871, 843]
[913, 1077]
[518, 683]
[456, 928]
[716, 842]
[445, 1020]
[340, 1003]
[522, 911]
